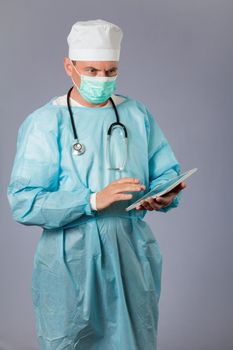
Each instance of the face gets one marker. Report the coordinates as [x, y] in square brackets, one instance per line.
[89, 68]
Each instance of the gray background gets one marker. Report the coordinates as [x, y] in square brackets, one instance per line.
[176, 58]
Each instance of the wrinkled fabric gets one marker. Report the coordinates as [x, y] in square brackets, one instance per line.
[97, 274]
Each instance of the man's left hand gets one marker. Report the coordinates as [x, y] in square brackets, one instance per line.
[162, 201]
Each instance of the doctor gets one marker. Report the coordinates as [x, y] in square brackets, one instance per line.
[97, 268]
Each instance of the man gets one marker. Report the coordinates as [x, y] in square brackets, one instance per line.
[97, 268]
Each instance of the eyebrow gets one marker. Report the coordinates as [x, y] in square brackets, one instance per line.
[99, 69]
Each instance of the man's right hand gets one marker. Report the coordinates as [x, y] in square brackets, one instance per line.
[113, 192]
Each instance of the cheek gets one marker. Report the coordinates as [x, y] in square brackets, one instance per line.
[75, 79]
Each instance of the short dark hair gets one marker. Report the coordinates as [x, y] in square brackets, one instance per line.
[73, 62]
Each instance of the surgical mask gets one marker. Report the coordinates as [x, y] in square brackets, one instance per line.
[95, 89]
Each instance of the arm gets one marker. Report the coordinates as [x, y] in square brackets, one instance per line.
[163, 164]
[33, 192]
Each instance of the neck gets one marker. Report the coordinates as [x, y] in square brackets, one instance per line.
[75, 95]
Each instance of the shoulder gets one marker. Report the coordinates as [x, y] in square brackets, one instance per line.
[151, 123]
[137, 104]
[142, 111]
[44, 118]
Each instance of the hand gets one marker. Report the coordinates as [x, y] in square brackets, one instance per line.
[113, 192]
[162, 201]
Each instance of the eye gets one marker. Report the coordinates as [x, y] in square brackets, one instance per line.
[112, 71]
[91, 70]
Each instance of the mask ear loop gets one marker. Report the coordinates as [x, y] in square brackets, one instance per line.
[73, 79]
[75, 84]
[75, 69]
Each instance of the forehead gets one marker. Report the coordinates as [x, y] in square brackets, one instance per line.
[98, 64]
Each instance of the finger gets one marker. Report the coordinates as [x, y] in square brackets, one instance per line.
[129, 188]
[167, 198]
[139, 207]
[165, 204]
[181, 185]
[153, 203]
[121, 197]
[127, 180]
[146, 204]
[176, 189]
[164, 200]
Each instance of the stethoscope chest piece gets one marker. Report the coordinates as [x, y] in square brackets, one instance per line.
[78, 148]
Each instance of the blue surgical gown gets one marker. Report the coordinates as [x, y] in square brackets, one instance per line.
[96, 274]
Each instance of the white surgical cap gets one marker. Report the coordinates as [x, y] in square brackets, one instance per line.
[94, 40]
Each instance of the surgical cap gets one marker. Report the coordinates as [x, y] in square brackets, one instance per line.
[94, 40]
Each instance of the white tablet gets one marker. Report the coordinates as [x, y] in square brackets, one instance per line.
[163, 188]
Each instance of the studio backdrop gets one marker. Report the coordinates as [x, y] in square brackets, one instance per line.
[176, 58]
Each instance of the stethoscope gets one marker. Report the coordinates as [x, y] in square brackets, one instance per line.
[79, 148]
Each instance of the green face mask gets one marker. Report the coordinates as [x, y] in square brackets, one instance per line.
[95, 89]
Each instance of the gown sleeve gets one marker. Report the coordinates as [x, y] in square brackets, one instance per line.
[163, 164]
[33, 192]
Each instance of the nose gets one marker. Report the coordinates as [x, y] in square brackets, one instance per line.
[103, 73]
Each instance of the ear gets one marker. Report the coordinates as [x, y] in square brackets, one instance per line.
[68, 66]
